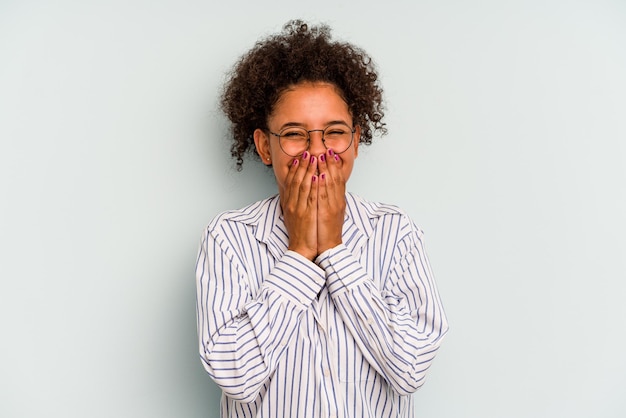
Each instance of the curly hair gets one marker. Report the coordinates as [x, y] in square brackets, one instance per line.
[300, 53]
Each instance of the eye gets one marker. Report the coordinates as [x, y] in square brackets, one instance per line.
[294, 134]
[336, 131]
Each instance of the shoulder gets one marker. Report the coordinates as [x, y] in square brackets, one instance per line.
[378, 214]
[251, 215]
[372, 209]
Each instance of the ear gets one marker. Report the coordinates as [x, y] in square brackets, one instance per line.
[262, 144]
[357, 140]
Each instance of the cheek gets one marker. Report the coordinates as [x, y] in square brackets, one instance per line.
[281, 169]
[347, 170]
[347, 166]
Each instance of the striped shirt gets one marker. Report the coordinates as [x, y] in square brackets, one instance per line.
[351, 334]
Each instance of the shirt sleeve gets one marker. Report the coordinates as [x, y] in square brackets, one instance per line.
[397, 324]
[242, 338]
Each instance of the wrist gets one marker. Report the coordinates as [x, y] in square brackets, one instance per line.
[329, 245]
[305, 252]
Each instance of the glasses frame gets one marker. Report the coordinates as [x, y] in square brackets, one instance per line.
[308, 134]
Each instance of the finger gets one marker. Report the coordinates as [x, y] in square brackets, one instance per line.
[322, 162]
[293, 168]
[330, 216]
[289, 195]
[334, 164]
[303, 167]
[296, 174]
[322, 193]
[335, 185]
[304, 191]
[313, 194]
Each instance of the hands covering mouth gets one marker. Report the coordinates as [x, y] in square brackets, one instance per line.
[313, 203]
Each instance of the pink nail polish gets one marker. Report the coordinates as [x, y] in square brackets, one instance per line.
[313, 179]
[331, 152]
[312, 159]
[295, 161]
[323, 176]
[305, 155]
[336, 157]
[322, 158]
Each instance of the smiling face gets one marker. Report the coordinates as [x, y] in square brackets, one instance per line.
[311, 106]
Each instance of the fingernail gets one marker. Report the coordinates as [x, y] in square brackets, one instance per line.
[331, 152]
[295, 161]
[314, 179]
[323, 158]
[336, 157]
[305, 155]
[323, 176]
[312, 159]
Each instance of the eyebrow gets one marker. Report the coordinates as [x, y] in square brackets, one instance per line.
[298, 124]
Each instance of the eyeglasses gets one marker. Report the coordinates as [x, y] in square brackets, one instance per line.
[294, 140]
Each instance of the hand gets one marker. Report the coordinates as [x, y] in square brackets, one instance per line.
[299, 203]
[331, 201]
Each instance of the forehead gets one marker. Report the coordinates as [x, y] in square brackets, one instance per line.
[310, 100]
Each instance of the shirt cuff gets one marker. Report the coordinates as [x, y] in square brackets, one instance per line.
[296, 278]
[343, 270]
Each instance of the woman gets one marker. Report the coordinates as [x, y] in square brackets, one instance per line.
[313, 302]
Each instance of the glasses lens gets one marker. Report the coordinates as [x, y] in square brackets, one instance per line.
[294, 141]
[338, 137]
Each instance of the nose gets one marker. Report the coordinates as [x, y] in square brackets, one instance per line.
[316, 145]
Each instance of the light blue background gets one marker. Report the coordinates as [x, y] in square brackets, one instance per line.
[507, 144]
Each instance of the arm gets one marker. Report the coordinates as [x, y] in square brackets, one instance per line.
[242, 338]
[399, 326]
